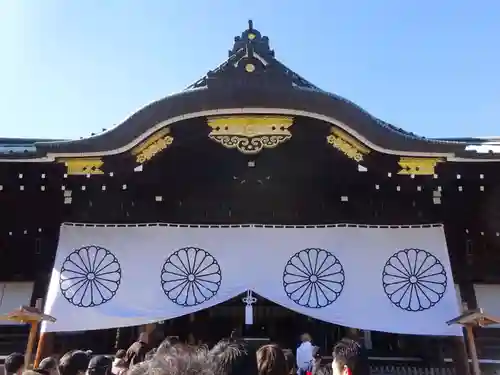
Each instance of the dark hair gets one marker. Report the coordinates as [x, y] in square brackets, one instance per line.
[13, 363]
[167, 343]
[176, 360]
[349, 353]
[233, 358]
[49, 363]
[100, 365]
[290, 361]
[271, 360]
[73, 361]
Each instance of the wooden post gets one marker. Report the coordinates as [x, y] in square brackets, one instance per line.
[148, 328]
[32, 336]
[31, 343]
[459, 355]
[472, 350]
[45, 347]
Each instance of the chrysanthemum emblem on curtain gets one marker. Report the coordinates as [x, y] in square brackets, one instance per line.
[414, 280]
[90, 276]
[190, 276]
[313, 278]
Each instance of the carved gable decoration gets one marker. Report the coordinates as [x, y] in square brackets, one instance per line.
[250, 134]
[418, 166]
[346, 144]
[156, 143]
[83, 166]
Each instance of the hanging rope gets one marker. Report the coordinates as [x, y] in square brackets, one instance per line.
[249, 301]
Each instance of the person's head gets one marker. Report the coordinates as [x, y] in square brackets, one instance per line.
[120, 360]
[120, 354]
[167, 343]
[74, 362]
[305, 337]
[144, 338]
[48, 366]
[14, 364]
[290, 361]
[271, 360]
[191, 340]
[233, 358]
[348, 358]
[176, 360]
[100, 365]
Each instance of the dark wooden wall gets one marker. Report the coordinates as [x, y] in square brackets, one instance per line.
[300, 182]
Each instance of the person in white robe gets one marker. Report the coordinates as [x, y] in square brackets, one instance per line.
[305, 355]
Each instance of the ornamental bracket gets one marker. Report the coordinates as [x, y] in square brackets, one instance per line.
[83, 166]
[250, 134]
[158, 142]
[418, 166]
[346, 144]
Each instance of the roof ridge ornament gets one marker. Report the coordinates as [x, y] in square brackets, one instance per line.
[252, 39]
[251, 62]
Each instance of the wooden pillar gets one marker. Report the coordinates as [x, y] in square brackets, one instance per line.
[149, 329]
[459, 349]
[367, 339]
[31, 343]
[459, 356]
[459, 247]
[468, 295]
[45, 347]
[472, 350]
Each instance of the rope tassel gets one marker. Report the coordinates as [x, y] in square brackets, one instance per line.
[249, 301]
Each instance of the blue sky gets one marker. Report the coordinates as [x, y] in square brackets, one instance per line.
[70, 68]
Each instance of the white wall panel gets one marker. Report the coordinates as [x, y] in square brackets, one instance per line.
[14, 295]
[488, 298]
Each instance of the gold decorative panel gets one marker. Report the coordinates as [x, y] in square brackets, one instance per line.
[346, 144]
[250, 134]
[418, 166]
[83, 166]
[152, 146]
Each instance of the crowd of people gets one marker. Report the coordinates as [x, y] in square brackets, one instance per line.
[232, 356]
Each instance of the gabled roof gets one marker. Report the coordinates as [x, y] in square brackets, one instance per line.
[253, 80]
[259, 47]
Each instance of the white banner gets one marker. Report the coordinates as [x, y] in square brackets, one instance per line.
[392, 279]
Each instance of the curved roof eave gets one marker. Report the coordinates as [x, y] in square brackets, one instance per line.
[273, 88]
[354, 120]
